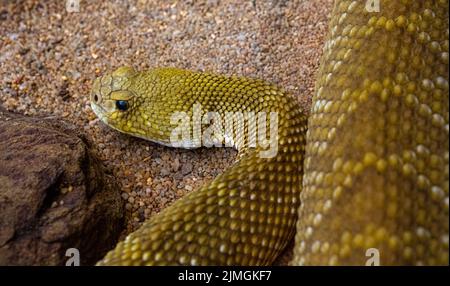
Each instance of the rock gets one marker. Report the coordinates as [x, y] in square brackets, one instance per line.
[175, 165]
[164, 172]
[177, 176]
[186, 168]
[54, 194]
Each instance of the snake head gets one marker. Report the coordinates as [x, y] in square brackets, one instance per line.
[112, 100]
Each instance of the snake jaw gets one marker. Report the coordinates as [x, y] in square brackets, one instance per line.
[99, 111]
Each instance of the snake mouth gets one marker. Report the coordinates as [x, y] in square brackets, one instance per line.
[99, 111]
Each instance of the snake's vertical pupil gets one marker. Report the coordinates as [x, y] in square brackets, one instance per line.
[122, 105]
[95, 98]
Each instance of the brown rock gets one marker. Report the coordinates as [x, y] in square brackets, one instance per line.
[175, 165]
[186, 169]
[54, 194]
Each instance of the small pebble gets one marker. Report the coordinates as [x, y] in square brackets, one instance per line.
[164, 172]
[186, 168]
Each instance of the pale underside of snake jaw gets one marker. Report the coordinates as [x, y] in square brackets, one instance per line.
[376, 161]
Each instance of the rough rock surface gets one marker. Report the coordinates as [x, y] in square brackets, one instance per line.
[54, 195]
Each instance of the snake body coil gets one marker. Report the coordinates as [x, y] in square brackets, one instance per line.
[376, 151]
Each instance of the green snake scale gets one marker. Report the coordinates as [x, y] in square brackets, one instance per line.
[372, 171]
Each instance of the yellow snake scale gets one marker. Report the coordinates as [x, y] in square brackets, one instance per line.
[372, 171]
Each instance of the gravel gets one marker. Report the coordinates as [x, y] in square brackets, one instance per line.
[49, 57]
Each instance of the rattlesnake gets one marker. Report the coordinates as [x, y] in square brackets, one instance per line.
[371, 172]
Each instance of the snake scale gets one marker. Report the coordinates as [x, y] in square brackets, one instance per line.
[368, 169]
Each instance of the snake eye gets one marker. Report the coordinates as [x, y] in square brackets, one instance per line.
[122, 105]
[95, 98]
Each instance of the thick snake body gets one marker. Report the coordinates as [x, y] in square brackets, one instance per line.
[375, 173]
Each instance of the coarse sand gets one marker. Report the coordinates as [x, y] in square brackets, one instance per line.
[49, 57]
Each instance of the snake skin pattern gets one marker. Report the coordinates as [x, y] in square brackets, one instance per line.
[376, 167]
[376, 151]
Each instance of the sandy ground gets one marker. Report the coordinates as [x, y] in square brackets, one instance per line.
[49, 57]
